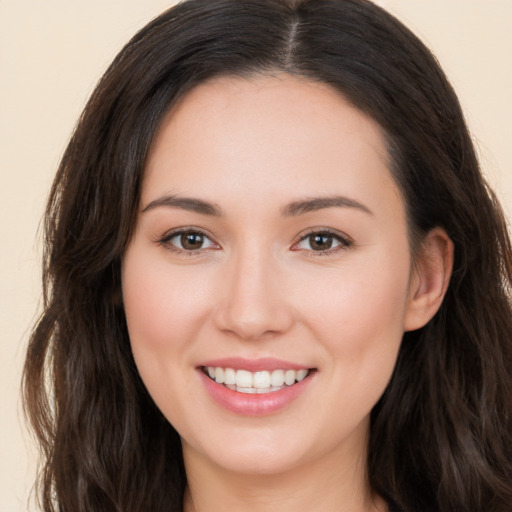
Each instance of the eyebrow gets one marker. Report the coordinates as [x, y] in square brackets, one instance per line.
[185, 203]
[290, 210]
[319, 203]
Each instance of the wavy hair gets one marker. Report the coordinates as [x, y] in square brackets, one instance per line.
[441, 434]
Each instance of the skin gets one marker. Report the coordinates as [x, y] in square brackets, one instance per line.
[257, 287]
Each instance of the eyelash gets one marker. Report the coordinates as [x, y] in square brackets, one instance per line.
[166, 241]
[344, 241]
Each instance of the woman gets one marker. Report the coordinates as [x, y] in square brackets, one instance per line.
[274, 276]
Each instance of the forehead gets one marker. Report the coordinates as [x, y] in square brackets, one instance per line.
[265, 134]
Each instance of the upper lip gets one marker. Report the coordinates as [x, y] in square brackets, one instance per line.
[254, 365]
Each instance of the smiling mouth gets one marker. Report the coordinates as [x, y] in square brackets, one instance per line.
[260, 382]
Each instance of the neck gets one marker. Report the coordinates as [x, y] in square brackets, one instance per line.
[319, 485]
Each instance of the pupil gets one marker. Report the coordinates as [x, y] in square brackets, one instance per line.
[321, 242]
[191, 240]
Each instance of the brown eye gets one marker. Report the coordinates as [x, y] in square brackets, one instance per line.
[189, 241]
[323, 242]
[320, 242]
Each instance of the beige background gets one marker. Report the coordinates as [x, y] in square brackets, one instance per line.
[51, 54]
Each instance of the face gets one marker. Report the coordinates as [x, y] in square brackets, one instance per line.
[268, 281]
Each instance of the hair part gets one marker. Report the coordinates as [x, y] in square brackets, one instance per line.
[440, 435]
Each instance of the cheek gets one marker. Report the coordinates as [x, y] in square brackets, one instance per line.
[360, 297]
[358, 314]
[360, 327]
[163, 307]
[163, 315]
[147, 308]
[148, 303]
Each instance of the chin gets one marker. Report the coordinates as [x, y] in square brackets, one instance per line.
[258, 464]
[266, 457]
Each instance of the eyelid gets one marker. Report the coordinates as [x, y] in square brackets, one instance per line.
[165, 240]
[345, 241]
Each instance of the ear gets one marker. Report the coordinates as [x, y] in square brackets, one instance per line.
[430, 278]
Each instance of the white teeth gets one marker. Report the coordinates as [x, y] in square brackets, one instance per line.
[243, 379]
[277, 378]
[250, 391]
[229, 376]
[301, 375]
[289, 377]
[260, 382]
[253, 391]
[219, 375]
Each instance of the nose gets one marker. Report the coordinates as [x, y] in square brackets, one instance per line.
[253, 303]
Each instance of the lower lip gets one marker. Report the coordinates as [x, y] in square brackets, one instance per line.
[246, 404]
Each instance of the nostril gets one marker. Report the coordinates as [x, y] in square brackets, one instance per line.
[254, 324]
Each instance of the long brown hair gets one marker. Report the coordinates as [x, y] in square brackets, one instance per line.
[441, 434]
